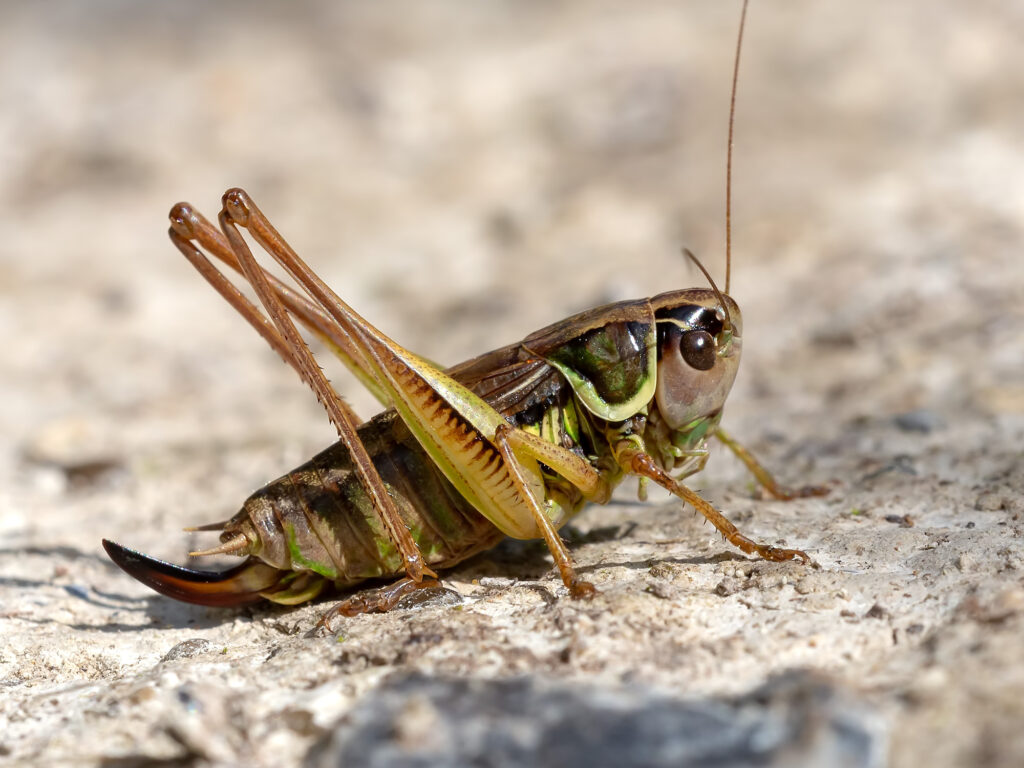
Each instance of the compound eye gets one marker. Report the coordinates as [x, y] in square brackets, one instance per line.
[698, 350]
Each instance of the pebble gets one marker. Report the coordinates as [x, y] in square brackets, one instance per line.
[990, 501]
[922, 421]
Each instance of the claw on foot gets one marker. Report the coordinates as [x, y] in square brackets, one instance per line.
[777, 555]
[582, 590]
[376, 600]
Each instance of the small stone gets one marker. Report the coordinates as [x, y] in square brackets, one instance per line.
[922, 421]
[990, 501]
[188, 648]
[804, 587]
[660, 590]
[876, 611]
[435, 597]
[728, 586]
[663, 570]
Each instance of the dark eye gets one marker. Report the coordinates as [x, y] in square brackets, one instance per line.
[698, 350]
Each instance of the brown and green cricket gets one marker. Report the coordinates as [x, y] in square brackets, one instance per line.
[511, 443]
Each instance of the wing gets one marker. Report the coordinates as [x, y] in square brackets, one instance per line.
[511, 380]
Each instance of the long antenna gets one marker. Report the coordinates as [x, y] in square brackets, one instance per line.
[728, 162]
[727, 325]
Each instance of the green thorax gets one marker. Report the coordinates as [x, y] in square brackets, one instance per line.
[608, 356]
[564, 421]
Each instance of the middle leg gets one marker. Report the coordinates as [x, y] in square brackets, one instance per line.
[640, 463]
[578, 588]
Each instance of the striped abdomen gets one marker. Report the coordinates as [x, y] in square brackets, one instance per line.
[318, 517]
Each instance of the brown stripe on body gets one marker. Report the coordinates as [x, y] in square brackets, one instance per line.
[454, 429]
[344, 557]
[406, 489]
[325, 496]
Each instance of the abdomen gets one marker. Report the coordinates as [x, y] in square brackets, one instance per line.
[319, 518]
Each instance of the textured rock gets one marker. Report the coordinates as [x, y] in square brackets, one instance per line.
[796, 721]
[463, 174]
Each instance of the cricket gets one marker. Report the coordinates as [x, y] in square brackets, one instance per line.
[511, 443]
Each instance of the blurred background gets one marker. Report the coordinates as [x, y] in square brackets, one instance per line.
[463, 174]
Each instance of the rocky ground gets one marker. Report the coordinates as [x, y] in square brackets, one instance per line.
[464, 174]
